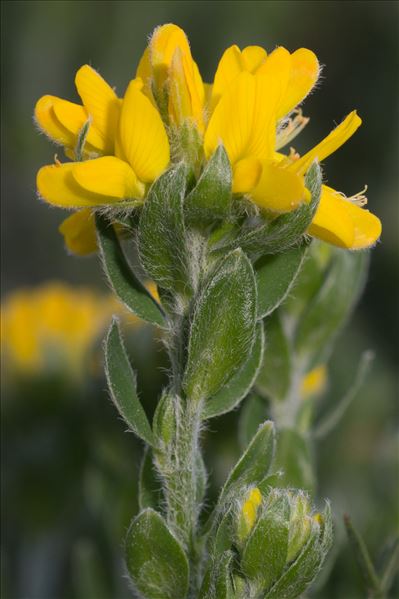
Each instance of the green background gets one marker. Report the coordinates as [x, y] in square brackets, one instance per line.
[44, 43]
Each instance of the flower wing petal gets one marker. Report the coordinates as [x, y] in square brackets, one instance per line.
[342, 223]
[46, 119]
[278, 189]
[73, 116]
[79, 232]
[57, 185]
[108, 176]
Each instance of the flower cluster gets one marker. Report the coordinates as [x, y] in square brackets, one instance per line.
[118, 147]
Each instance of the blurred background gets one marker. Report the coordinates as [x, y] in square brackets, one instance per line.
[69, 469]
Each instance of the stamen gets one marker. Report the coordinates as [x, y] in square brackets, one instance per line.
[358, 198]
[290, 128]
[56, 161]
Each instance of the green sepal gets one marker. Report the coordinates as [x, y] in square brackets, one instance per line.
[265, 553]
[294, 459]
[217, 580]
[150, 489]
[283, 232]
[255, 462]
[275, 276]
[162, 237]
[223, 327]
[122, 385]
[156, 561]
[253, 413]
[274, 378]
[302, 572]
[331, 307]
[211, 197]
[229, 396]
[121, 277]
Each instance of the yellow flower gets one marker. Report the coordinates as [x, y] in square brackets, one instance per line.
[248, 513]
[52, 328]
[251, 107]
[314, 382]
[172, 79]
[127, 144]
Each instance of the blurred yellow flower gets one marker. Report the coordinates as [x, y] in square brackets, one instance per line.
[251, 107]
[54, 327]
[314, 382]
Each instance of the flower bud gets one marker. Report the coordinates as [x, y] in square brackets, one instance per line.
[248, 514]
[300, 524]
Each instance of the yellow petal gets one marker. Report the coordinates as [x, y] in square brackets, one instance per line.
[329, 144]
[144, 69]
[278, 189]
[47, 121]
[252, 57]
[164, 41]
[305, 71]
[232, 119]
[186, 91]
[57, 185]
[108, 176]
[142, 135]
[228, 69]
[101, 103]
[232, 63]
[271, 83]
[332, 222]
[79, 232]
[73, 116]
[246, 175]
[344, 224]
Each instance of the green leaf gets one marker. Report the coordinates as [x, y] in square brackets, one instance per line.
[331, 307]
[255, 462]
[304, 569]
[121, 277]
[162, 237]
[275, 276]
[331, 420]
[150, 489]
[211, 197]
[283, 232]
[253, 413]
[155, 559]
[223, 327]
[122, 385]
[274, 378]
[359, 548]
[265, 552]
[164, 421]
[294, 459]
[229, 396]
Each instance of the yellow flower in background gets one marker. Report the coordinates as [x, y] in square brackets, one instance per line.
[314, 382]
[54, 327]
[251, 107]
